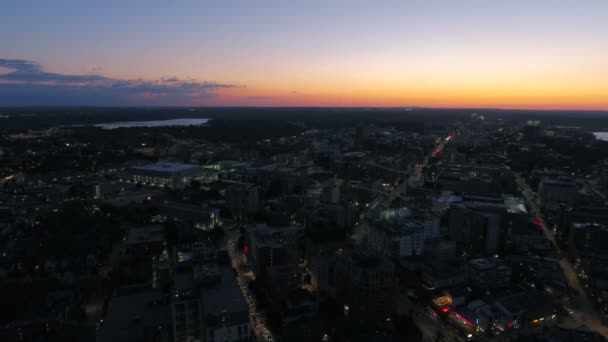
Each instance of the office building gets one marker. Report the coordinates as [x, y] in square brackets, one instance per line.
[242, 199]
[165, 174]
[484, 224]
[394, 233]
[485, 273]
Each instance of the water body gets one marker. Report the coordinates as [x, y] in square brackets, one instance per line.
[601, 136]
[155, 123]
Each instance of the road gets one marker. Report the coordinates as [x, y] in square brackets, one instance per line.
[258, 318]
[586, 313]
[417, 179]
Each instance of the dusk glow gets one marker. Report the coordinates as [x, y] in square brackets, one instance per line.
[317, 170]
[503, 54]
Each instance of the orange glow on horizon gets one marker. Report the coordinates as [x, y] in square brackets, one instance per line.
[515, 98]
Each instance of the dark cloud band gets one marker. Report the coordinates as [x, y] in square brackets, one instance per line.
[28, 84]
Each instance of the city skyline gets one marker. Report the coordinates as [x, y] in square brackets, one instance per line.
[515, 55]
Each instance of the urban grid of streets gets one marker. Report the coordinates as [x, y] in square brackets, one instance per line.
[258, 317]
[583, 313]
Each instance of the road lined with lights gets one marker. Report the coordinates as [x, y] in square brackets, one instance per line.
[417, 179]
[258, 318]
[587, 314]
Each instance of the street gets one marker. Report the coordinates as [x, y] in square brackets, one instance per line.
[258, 318]
[586, 313]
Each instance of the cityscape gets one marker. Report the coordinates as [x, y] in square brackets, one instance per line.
[333, 172]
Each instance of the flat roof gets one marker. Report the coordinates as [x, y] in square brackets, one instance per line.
[225, 297]
[482, 263]
[515, 205]
[166, 167]
[130, 316]
[147, 234]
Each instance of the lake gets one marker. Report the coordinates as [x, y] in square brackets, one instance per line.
[601, 135]
[154, 123]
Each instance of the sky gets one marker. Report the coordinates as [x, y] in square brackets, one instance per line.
[541, 54]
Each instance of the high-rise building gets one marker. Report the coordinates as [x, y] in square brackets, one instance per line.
[186, 309]
[267, 247]
[331, 191]
[485, 273]
[225, 311]
[242, 199]
[561, 190]
[395, 233]
[484, 224]
[367, 286]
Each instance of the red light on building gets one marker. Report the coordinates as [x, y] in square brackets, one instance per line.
[538, 223]
[246, 250]
[510, 325]
[445, 310]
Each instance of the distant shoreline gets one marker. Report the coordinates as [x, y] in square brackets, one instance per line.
[153, 123]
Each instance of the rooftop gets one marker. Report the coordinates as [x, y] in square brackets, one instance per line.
[515, 205]
[166, 167]
[590, 226]
[482, 263]
[136, 316]
[147, 234]
[398, 220]
[226, 296]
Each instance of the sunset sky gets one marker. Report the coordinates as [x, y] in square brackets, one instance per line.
[502, 54]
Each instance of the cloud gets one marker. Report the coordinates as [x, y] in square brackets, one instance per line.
[27, 83]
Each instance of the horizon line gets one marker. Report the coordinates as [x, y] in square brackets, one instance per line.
[305, 107]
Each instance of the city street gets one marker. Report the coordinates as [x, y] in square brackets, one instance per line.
[258, 318]
[585, 313]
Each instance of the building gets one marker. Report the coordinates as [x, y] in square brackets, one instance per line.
[137, 314]
[485, 224]
[559, 190]
[148, 240]
[588, 242]
[367, 286]
[441, 275]
[199, 217]
[186, 308]
[331, 191]
[225, 311]
[475, 179]
[441, 250]
[207, 303]
[483, 317]
[165, 174]
[569, 214]
[267, 247]
[485, 273]
[280, 281]
[323, 274]
[243, 199]
[529, 308]
[394, 233]
[300, 318]
[527, 238]
[532, 130]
